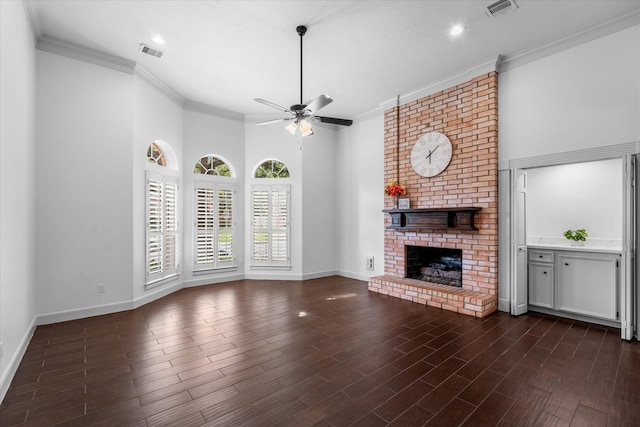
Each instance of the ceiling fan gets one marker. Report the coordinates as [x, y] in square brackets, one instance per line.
[303, 114]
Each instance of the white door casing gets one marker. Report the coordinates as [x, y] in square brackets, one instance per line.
[519, 242]
[628, 303]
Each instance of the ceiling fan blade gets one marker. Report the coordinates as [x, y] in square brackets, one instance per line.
[318, 103]
[334, 121]
[268, 122]
[271, 104]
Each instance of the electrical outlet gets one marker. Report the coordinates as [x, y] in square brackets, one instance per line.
[101, 288]
[369, 263]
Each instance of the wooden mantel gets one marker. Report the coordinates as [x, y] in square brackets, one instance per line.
[432, 219]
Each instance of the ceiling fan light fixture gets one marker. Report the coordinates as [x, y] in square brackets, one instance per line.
[305, 128]
[291, 127]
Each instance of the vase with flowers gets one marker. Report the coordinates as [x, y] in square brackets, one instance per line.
[394, 190]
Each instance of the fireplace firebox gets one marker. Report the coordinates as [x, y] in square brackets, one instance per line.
[433, 264]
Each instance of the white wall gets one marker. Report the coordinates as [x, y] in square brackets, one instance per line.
[17, 188]
[206, 134]
[584, 195]
[319, 188]
[360, 198]
[584, 97]
[84, 189]
[155, 116]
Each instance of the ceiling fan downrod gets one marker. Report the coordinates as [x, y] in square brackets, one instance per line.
[301, 114]
[302, 30]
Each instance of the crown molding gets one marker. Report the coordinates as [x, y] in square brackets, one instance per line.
[199, 107]
[81, 53]
[470, 73]
[33, 20]
[159, 84]
[569, 41]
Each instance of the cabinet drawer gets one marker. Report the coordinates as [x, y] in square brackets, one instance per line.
[540, 256]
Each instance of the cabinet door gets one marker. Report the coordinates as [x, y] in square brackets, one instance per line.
[587, 284]
[541, 284]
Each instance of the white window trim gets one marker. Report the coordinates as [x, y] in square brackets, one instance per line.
[271, 263]
[164, 275]
[216, 184]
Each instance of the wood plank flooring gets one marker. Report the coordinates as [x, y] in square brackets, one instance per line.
[322, 352]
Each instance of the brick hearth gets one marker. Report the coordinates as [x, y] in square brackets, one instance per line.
[463, 301]
[468, 115]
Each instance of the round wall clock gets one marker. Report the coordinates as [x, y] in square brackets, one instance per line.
[431, 154]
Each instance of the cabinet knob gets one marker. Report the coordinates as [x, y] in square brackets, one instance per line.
[540, 256]
[566, 263]
[544, 272]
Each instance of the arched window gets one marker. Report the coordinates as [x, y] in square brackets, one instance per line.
[270, 216]
[214, 209]
[162, 226]
[210, 165]
[272, 169]
[155, 155]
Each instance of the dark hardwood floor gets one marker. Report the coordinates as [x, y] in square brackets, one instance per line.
[323, 352]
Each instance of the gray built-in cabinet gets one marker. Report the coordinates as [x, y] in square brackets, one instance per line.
[575, 282]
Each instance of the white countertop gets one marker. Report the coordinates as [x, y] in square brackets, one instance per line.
[560, 243]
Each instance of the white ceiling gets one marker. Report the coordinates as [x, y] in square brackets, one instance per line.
[362, 53]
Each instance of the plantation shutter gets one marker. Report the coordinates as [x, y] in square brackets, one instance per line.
[279, 225]
[270, 225]
[204, 226]
[171, 227]
[225, 227]
[155, 258]
[260, 226]
[162, 227]
[214, 226]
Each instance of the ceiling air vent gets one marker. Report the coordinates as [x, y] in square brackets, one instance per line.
[151, 51]
[501, 7]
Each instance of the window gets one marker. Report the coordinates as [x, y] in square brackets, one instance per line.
[270, 236]
[210, 165]
[270, 225]
[272, 169]
[161, 204]
[155, 155]
[162, 227]
[214, 225]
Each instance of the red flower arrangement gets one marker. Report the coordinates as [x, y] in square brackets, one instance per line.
[394, 189]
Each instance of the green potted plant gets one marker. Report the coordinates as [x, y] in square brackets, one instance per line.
[576, 237]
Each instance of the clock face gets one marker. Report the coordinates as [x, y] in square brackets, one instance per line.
[431, 154]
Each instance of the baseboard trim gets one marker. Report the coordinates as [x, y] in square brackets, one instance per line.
[319, 274]
[504, 305]
[603, 322]
[212, 280]
[82, 313]
[16, 358]
[357, 276]
[156, 294]
[99, 310]
[264, 275]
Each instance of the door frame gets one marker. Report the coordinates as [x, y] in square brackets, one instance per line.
[629, 288]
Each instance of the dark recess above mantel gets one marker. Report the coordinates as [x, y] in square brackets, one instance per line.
[433, 219]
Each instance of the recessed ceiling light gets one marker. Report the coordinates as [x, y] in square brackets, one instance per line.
[158, 39]
[456, 30]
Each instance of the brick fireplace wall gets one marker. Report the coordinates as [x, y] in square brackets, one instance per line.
[468, 115]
